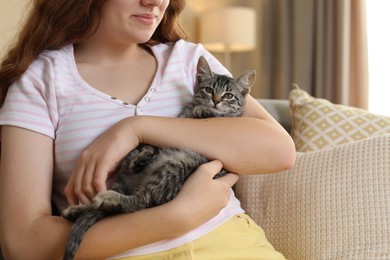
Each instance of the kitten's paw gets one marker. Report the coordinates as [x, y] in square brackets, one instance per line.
[143, 158]
[107, 200]
[202, 112]
[147, 150]
[73, 212]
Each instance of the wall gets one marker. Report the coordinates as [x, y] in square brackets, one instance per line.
[10, 16]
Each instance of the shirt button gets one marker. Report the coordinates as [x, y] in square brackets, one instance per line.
[139, 109]
[153, 90]
[147, 99]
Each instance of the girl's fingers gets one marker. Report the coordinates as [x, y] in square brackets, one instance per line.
[214, 167]
[100, 178]
[87, 190]
[69, 192]
[76, 189]
[79, 186]
[229, 179]
[86, 181]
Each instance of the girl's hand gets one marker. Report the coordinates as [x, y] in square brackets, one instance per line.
[203, 197]
[99, 160]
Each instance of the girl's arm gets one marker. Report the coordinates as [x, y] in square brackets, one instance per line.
[29, 230]
[253, 144]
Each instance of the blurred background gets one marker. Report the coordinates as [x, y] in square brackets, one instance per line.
[333, 49]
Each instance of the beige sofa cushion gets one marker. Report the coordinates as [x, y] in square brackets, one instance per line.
[334, 203]
[318, 123]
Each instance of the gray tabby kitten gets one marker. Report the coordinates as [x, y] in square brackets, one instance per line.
[149, 176]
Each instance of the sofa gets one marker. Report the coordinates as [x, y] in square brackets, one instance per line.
[335, 202]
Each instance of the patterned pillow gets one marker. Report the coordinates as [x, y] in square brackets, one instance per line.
[333, 204]
[318, 123]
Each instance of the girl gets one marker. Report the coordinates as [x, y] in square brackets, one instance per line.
[85, 83]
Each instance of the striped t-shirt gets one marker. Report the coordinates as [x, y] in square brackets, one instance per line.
[51, 98]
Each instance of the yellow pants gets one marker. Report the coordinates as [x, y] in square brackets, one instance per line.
[238, 238]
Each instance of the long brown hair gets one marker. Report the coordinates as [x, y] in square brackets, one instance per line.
[53, 24]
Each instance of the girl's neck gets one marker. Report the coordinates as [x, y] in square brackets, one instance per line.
[105, 54]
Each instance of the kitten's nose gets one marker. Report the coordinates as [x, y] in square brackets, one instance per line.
[216, 100]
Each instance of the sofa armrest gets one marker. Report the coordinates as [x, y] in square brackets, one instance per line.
[279, 109]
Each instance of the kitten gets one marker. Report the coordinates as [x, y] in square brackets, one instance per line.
[149, 176]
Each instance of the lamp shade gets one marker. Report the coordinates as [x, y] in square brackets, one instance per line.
[229, 29]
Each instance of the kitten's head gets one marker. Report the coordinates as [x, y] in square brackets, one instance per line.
[224, 95]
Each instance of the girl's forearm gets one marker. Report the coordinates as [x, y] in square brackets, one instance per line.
[244, 145]
[123, 232]
[46, 236]
[43, 238]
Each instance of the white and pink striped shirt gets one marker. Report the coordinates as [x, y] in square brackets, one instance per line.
[51, 98]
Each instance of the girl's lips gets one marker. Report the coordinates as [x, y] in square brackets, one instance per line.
[147, 19]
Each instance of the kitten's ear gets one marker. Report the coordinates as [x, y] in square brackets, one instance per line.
[245, 81]
[203, 69]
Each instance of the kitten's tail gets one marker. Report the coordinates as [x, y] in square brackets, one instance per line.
[77, 232]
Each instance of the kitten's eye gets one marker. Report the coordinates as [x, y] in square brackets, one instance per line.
[209, 90]
[228, 96]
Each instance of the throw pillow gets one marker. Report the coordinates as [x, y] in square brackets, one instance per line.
[318, 123]
[333, 204]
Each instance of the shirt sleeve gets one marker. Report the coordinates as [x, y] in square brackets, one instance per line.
[31, 100]
[191, 53]
[215, 65]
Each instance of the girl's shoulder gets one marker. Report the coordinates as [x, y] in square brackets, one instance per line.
[50, 61]
[188, 46]
[180, 47]
[56, 57]
[187, 54]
